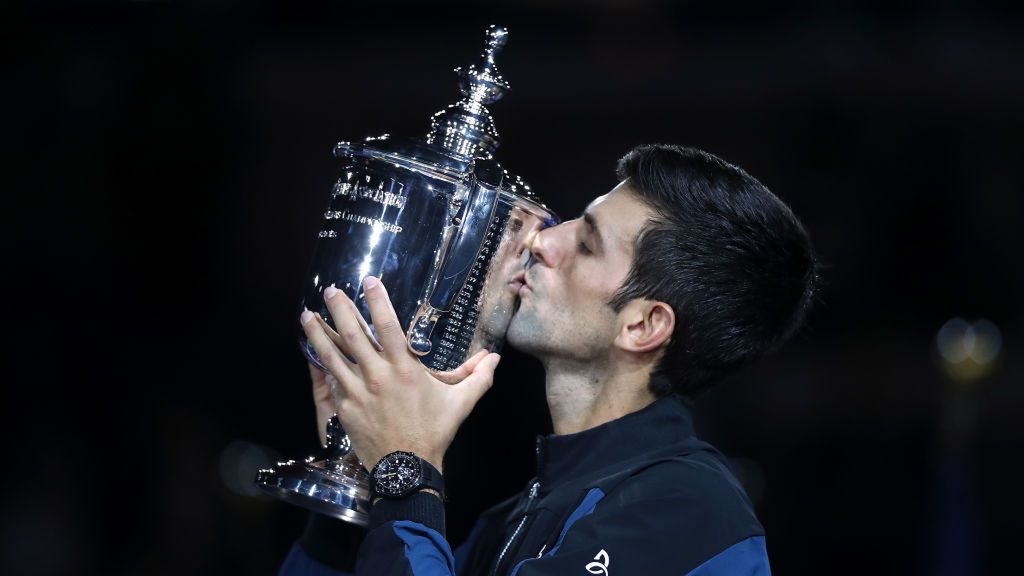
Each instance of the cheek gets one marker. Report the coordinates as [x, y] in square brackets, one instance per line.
[586, 310]
[598, 280]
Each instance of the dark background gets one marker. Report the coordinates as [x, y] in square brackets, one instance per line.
[167, 163]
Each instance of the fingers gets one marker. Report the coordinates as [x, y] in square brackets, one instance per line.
[336, 339]
[456, 375]
[316, 376]
[323, 398]
[352, 337]
[479, 382]
[325, 387]
[329, 354]
[362, 324]
[385, 321]
[322, 384]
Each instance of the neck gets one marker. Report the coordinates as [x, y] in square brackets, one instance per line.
[582, 395]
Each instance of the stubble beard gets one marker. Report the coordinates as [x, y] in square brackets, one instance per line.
[526, 333]
[554, 331]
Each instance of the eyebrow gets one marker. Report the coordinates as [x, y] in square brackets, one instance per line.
[592, 224]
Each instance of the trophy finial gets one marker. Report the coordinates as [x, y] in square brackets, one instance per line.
[466, 127]
[482, 83]
[496, 36]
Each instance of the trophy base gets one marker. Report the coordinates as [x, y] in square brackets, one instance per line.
[337, 488]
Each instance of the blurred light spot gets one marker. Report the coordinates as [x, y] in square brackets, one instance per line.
[239, 462]
[988, 342]
[951, 340]
[968, 350]
[364, 268]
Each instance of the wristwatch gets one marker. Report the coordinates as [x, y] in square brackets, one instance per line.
[402, 473]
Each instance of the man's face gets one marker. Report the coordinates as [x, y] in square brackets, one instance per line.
[577, 267]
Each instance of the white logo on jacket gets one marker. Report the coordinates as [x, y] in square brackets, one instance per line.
[600, 563]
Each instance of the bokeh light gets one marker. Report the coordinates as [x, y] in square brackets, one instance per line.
[239, 461]
[968, 350]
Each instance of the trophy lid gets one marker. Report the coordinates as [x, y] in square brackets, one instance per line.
[466, 128]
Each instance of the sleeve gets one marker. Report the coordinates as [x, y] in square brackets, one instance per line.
[328, 547]
[677, 535]
[299, 563]
[748, 556]
[406, 538]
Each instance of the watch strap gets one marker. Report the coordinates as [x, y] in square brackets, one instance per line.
[431, 478]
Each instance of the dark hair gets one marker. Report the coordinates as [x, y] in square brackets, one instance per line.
[725, 253]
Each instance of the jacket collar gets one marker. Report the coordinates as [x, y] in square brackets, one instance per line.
[665, 422]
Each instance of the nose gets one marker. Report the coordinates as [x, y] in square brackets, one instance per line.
[547, 246]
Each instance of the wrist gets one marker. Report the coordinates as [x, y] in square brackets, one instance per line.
[436, 461]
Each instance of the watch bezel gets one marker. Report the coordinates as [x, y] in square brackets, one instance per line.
[392, 459]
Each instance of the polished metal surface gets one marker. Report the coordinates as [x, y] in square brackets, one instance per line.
[438, 220]
[446, 229]
[466, 127]
[332, 482]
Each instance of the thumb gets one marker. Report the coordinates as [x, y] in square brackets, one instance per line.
[479, 382]
[463, 371]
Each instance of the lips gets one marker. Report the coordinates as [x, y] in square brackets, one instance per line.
[519, 282]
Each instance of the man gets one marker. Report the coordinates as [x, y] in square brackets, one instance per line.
[688, 269]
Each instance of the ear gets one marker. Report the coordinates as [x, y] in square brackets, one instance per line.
[646, 325]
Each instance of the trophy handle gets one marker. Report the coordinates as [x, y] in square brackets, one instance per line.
[462, 248]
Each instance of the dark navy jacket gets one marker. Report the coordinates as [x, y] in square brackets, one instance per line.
[638, 495]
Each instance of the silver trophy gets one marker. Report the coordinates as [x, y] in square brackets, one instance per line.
[446, 228]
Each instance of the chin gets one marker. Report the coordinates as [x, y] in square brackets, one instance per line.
[523, 331]
[512, 336]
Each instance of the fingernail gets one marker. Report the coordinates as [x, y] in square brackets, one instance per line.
[330, 292]
[305, 317]
[495, 360]
[370, 282]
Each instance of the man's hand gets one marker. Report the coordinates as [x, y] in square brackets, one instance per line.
[323, 399]
[387, 399]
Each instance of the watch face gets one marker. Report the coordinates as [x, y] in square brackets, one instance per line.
[397, 473]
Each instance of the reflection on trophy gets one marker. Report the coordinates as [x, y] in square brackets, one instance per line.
[446, 228]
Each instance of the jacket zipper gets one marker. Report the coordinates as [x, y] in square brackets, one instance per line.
[529, 505]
